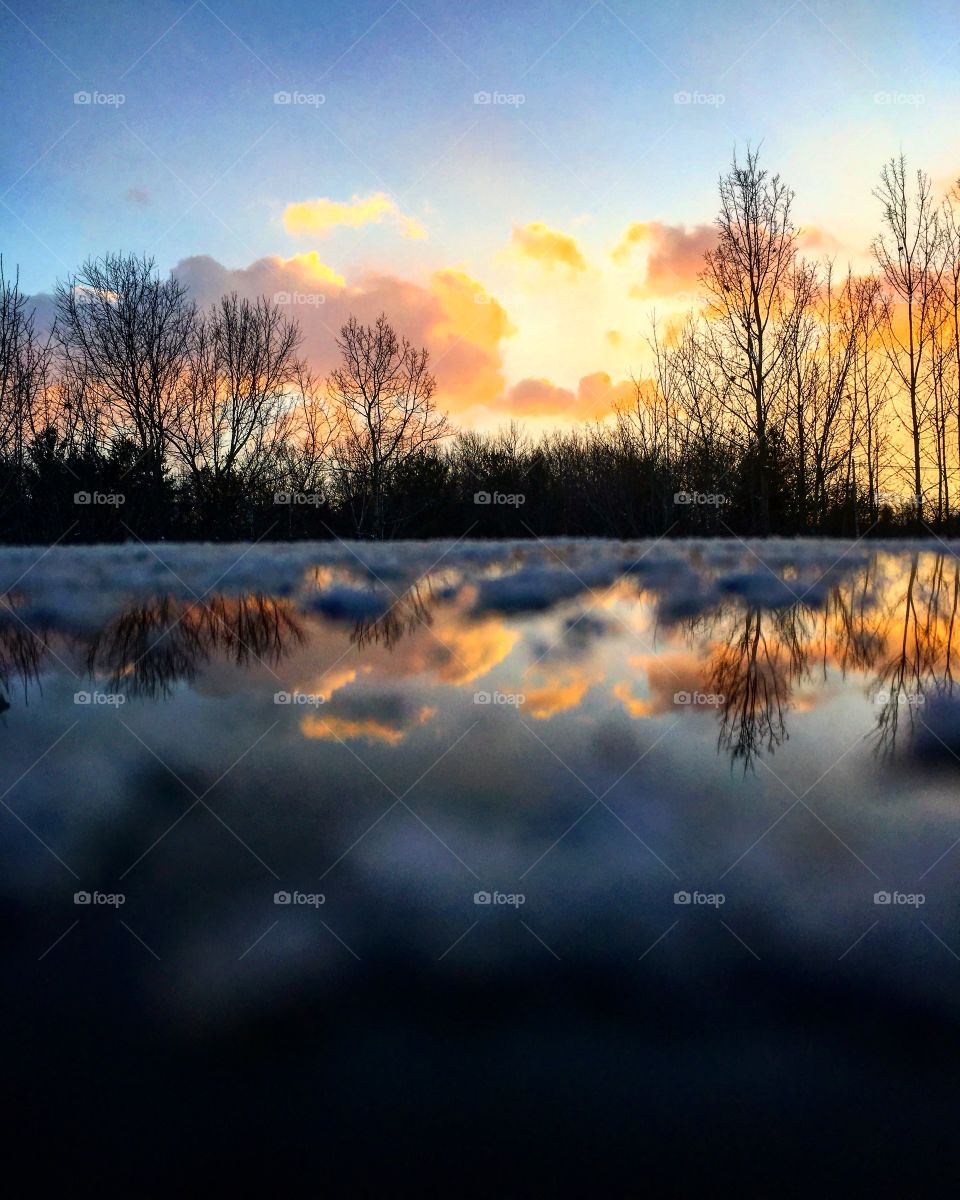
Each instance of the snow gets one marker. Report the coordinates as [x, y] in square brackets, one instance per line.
[78, 587]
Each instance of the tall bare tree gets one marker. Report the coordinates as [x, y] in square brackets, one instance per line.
[746, 278]
[235, 410]
[127, 334]
[910, 254]
[382, 393]
[314, 430]
[24, 370]
[950, 286]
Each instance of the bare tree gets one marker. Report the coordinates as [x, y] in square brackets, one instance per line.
[950, 286]
[801, 381]
[24, 367]
[870, 400]
[314, 430]
[746, 278]
[833, 414]
[234, 413]
[383, 394]
[910, 253]
[24, 378]
[938, 382]
[126, 334]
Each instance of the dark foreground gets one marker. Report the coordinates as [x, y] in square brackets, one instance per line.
[711, 791]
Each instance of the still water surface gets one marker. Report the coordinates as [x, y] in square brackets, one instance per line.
[574, 841]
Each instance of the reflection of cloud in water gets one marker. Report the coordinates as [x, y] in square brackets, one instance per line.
[376, 716]
[555, 691]
[634, 706]
[551, 622]
[352, 604]
[500, 797]
[577, 637]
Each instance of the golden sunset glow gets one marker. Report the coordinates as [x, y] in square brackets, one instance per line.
[315, 218]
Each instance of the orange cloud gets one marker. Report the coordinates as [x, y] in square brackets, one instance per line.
[452, 315]
[474, 650]
[547, 246]
[558, 696]
[314, 218]
[330, 682]
[466, 339]
[635, 707]
[596, 397]
[539, 397]
[313, 270]
[815, 240]
[667, 673]
[333, 728]
[674, 255]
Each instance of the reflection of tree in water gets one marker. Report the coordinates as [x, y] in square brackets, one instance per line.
[893, 622]
[922, 667]
[149, 647]
[901, 631]
[752, 671]
[21, 651]
[756, 659]
[409, 611]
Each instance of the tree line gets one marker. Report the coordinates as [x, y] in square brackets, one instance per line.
[792, 399]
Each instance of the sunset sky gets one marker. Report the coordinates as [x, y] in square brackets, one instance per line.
[525, 240]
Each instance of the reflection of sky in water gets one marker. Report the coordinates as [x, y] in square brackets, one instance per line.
[567, 724]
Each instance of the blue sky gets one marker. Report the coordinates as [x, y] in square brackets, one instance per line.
[198, 159]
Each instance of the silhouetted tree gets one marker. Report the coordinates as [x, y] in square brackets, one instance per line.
[747, 280]
[127, 335]
[383, 394]
[233, 417]
[24, 370]
[910, 253]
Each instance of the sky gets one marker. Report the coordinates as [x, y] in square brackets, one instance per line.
[519, 185]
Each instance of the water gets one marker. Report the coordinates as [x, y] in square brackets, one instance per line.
[604, 849]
